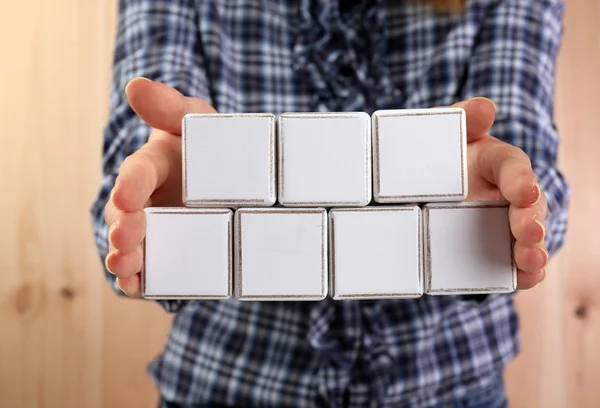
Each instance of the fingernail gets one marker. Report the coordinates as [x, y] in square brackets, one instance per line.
[546, 255]
[114, 192]
[543, 272]
[486, 99]
[543, 229]
[107, 259]
[118, 285]
[111, 230]
[134, 79]
[537, 191]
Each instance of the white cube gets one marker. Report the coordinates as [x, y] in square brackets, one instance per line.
[229, 160]
[376, 253]
[325, 159]
[280, 254]
[419, 155]
[468, 248]
[188, 254]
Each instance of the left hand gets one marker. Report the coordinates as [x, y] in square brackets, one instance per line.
[500, 171]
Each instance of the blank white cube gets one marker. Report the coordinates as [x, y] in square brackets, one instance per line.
[229, 160]
[420, 155]
[188, 254]
[325, 159]
[468, 249]
[376, 253]
[280, 254]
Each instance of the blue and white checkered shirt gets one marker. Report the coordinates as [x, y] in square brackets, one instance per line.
[311, 55]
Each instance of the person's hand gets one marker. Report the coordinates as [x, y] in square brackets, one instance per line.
[149, 177]
[152, 177]
[500, 171]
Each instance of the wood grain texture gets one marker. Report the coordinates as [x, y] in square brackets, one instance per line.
[67, 341]
[560, 361]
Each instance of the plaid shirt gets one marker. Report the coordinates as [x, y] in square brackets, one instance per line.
[308, 55]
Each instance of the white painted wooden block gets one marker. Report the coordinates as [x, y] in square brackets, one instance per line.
[419, 155]
[229, 160]
[325, 159]
[188, 254]
[376, 252]
[280, 254]
[468, 248]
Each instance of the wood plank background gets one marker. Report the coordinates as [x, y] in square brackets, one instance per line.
[67, 341]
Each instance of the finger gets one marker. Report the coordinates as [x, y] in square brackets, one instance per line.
[480, 115]
[528, 280]
[128, 230]
[528, 225]
[161, 106]
[124, 264]
[509, 168]
[531, 259]
[142, 173]
[131, 286]
[109, 210]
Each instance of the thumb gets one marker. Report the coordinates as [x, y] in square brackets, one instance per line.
[480, 113]
[161, 106]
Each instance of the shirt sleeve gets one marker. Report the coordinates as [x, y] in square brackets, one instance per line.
[158, 40]
[513, 63]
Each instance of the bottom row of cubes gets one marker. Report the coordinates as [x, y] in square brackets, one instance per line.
[283, 254]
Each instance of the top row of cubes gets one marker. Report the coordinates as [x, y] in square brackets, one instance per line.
[324, 159]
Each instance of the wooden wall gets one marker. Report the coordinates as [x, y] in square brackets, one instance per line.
[66, 340]
[561, 318]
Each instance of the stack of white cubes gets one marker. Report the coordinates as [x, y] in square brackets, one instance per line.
[314, 204]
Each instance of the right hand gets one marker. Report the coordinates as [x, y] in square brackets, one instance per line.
[149, 177]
